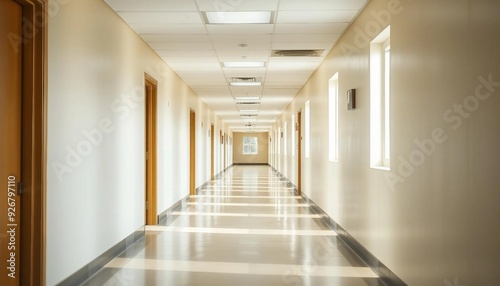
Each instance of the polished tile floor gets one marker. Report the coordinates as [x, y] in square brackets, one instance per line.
[246, 228]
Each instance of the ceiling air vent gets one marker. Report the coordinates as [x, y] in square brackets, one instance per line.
[297, 53]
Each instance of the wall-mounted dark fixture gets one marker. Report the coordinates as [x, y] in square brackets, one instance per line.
[351, 99]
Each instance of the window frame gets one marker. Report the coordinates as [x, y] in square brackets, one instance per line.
[380, 101]
[253, 145]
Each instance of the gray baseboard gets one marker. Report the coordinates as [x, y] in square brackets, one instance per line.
[386, 275]
[98, 263]
[177, 206]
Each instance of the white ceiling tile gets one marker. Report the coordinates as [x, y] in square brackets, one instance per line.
[169, 29]
[282, 85]
[246, 91]
[198, 66]
[306, 38]
[319, 28]
[152, 5]
[301, 5]
[181, 46]
[176, 31]
[302, 46]
[240, 29]
[237, 5]
[253, 42]
[287, 76]
[279, 92]
[185, 53]
[191, 60]
[281, 66]
[148, 18]
[297, 17]
[238, 57]
[248, 53]
[176, 38]
[240, 72]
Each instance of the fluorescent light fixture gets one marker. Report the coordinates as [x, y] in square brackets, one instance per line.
[247, 98]
[244, 64]
[264, 17]
[249, 111]
[254, 83]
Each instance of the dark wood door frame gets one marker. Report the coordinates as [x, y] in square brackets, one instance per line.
[192, 152]
[299, 153]
[33, 45]
[212, 152]
[151, 95]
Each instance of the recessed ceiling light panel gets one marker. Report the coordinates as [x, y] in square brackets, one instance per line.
[232, 17]
[254, 83]
[246, 98]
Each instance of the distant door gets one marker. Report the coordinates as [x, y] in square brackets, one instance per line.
[192, 153]
[299, 153]
[10, 144]
[212, 152]
[225, 150]
[150, 156]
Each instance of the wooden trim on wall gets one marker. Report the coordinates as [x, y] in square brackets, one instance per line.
[299, 153]
[212, 152]
[151, 89]
[192, 152]
[33, 45]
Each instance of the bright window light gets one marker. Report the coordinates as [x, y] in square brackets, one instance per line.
[253, 83]
[279, 140]
[284, 139]
[244, 64]
[250, 145]
[239, 17]
[293, 135]
[333, 114]
[307, 129]
[380, 127]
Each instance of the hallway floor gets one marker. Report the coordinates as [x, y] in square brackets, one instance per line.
[246, 228]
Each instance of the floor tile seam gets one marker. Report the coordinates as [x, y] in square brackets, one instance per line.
[247, 268]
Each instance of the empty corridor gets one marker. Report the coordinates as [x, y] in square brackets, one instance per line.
[245, 228]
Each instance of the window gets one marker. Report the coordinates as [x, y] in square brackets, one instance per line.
[250, 146]
[380, 101]
[279, 140]
[307, 130]
[284, 139]
[333, 122]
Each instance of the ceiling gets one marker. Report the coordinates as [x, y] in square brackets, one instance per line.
[178, 31]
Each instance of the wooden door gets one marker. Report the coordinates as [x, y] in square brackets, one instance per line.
[150, 156]
[212, 152]
[299, 153]
[10, 144]
[192, 153]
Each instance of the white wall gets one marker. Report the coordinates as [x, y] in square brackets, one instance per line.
[439, 223]
[96, 74]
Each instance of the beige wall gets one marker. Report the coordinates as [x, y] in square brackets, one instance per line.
[438, 223]
[261, 158]
[96, 67]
